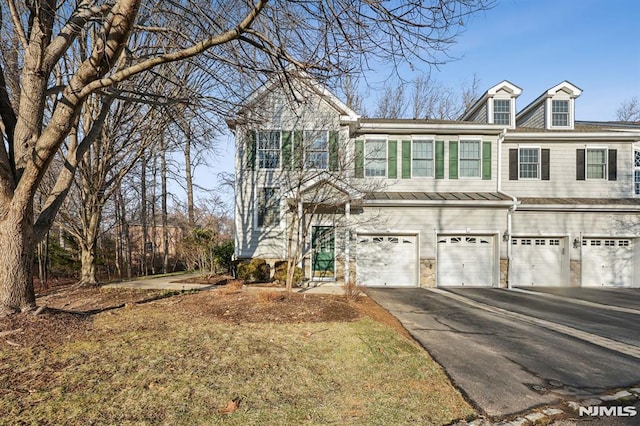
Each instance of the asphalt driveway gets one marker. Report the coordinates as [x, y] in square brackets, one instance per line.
[509, 351]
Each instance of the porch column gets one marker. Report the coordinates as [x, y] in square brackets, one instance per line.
[347, 242]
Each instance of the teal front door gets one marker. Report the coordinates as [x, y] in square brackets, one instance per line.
[323, 244]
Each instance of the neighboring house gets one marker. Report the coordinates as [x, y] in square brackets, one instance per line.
[498, 198]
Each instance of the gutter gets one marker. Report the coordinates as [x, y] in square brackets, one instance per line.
[511, 210]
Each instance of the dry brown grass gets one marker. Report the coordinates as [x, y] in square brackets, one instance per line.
[181, 360]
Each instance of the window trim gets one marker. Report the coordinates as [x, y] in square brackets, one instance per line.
[384, 158]
[539, 163]
[605, 174]
[569, 113]
[305, 149]
[258, 149]
[510, 112]
[276, 206]
[432, 140]
[636, 171]
[474, 139]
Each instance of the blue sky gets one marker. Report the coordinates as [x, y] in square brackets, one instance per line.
[536, 44]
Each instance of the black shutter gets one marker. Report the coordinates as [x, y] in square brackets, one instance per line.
[545, 164]
[613, 164]
[513, 164]
[579, 164]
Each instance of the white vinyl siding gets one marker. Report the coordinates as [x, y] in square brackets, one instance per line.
[529, 163]
[596, 163]
[268, 149]
[422, 158]
[470, 159]
[559, 113]
[375, 158]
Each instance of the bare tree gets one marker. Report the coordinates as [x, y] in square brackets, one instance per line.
[629, 110]
[245, 36]
[392, 103]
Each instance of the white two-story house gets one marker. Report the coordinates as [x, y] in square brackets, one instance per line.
[497, 198]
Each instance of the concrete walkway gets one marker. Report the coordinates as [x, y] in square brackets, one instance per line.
[172, 282]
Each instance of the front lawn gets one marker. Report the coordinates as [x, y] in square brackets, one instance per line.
[219, 357]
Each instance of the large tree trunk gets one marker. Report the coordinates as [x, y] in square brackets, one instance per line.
[165, 225]
[189, 178]
[16, 257]
[88, 270]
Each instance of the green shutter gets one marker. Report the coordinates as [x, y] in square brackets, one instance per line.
[333, 151]
[453, 160]
[439, 159]
[486, 160]
[250, 149]
[359, 159]
[286, 150]
[406, 159]
[298, 149]
[392, 160]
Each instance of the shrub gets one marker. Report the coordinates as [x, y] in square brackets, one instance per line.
[255, 271]
[280, 273]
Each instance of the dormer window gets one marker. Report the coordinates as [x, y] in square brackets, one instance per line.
[560, 113]
[502, 111]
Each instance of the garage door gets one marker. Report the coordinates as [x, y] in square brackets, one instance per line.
[387, 260]
[607, 262]
[467, 260]
[537, 261]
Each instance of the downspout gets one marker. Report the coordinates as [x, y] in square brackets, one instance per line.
[511, 210]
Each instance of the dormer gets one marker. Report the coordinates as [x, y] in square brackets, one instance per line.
[496, 106]
[553, 110]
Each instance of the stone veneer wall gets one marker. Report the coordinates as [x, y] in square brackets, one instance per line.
[504, 273]
[575, 268]
[427, 272]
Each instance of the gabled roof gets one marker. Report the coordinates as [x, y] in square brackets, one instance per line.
[572, 90]
[503, 85]
[292, 77]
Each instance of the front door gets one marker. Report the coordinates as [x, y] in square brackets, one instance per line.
[323, 244]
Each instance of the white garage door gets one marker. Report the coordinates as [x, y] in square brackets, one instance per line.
[467, 260]
[537, 261]
[607, 262]
[387, 260]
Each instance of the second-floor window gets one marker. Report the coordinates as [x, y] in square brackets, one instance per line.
[636, 172]
[470, 159]
[268, 207]
[596, 162]
[560, 113]
[268, 144]
[502, 111]
[316, 143]
[529, 163]
[375, 157]
[422, 159]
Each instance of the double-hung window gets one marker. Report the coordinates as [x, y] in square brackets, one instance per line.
[268, 207]
[560, 113]
[316, 143]
[529, 163]
[470, 159]
[268, 144]
[502, 111]
[422, 158]
[375, 157]
[596, 163]
[636, 172]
